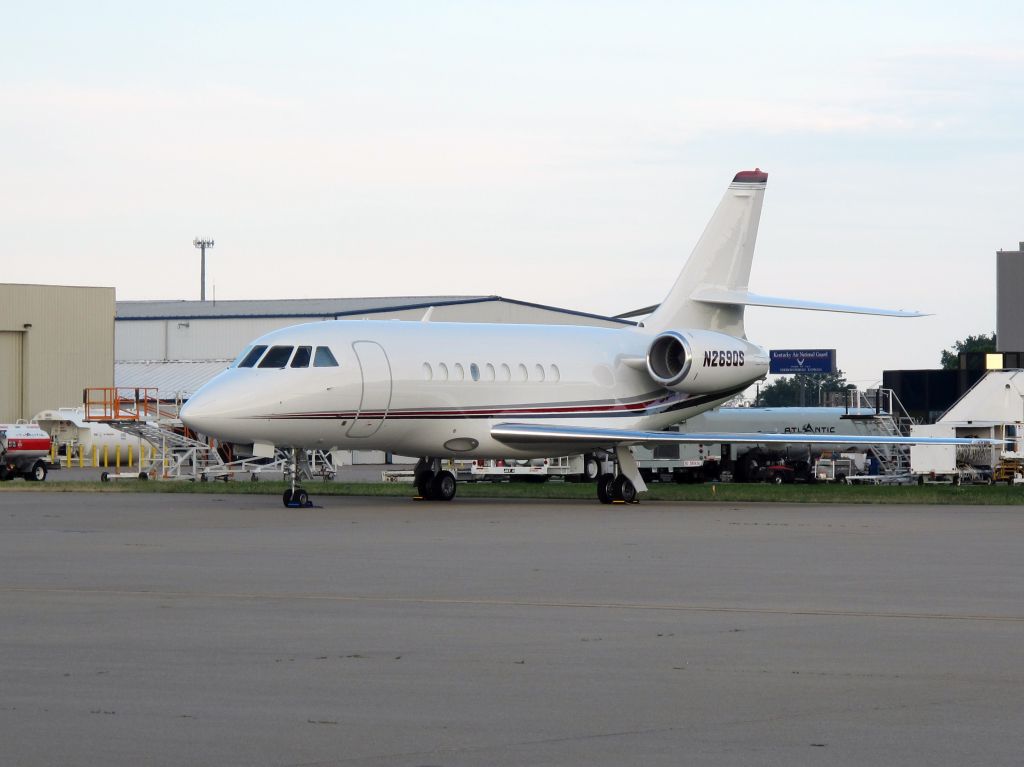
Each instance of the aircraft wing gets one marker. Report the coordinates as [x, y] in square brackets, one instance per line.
[518, 434]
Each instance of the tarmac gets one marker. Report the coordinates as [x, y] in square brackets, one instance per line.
[228, 630]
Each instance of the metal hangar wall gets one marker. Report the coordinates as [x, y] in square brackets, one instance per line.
[54, 341]
[176, 346]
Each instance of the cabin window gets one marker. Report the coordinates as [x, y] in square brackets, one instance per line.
[323, 358]
[302, 356]
[488, 372]
[474, 372]
[428, 372]
[506, 373]
[522, 375]
[442, 371]
[539, 372]
[254, 354]
[553, 373]
[277, 357]
[458, 373]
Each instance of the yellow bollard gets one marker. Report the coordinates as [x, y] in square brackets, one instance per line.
[117, 457]
[81, 456]
[130, 451]
[106, 456]
[95, 462]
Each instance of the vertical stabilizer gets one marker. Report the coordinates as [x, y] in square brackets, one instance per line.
[721, 260]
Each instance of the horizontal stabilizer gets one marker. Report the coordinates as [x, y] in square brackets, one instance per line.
[746, 298]
[533, 434]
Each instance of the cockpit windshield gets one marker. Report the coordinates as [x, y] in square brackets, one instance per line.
[277, 357]
[254, 354]
[240, 357]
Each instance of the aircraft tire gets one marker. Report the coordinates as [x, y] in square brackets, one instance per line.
[605, 492]
[301, 498]
[443, 486]
[287, 497]
[425, 485]
[624, 489]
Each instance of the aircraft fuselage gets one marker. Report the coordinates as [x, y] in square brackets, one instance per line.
[425, 388]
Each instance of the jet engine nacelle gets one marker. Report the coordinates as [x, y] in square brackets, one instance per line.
[703, 361]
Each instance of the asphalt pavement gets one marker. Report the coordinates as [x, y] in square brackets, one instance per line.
[228, 630]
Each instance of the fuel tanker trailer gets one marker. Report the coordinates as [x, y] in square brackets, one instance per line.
[24, 451]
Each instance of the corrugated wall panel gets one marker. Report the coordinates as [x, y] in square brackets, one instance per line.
[68, 341]
[137, 341]
[196, 339]
[502, 311]
[10, 376]
[219, 339]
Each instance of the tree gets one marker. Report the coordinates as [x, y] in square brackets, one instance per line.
[979, 343]
[801, 389]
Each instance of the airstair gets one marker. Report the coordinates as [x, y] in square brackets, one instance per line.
[138, 411]
[888, 419]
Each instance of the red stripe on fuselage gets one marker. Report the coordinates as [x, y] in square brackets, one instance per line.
[478, 412]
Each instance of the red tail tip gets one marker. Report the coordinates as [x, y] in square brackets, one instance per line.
[751, 176]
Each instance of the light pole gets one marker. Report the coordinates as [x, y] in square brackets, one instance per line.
[202, 245]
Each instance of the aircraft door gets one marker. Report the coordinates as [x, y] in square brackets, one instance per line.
[375, 370]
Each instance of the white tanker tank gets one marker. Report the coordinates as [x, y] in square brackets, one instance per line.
[72, 433]
[833, 421]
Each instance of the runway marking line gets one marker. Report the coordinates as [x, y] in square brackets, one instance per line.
[517, 603]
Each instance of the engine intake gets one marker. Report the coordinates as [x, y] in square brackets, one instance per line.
[669, 359]
[704, 361]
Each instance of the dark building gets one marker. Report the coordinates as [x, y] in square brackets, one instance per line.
[927, 394]
[1010, 299]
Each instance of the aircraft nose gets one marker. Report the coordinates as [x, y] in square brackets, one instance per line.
[195, 413]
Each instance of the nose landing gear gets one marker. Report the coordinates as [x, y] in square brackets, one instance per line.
[295, 497]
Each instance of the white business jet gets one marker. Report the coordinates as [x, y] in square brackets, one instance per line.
[467, 390]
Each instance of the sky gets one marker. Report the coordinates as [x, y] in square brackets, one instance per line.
[565, 153]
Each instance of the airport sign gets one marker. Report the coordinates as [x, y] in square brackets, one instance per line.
[809, 361]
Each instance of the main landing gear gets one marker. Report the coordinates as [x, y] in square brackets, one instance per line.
[295, 497]
[622, 485]
[433, 483]
[611, 488]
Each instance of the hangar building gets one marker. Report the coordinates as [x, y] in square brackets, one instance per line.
[177, 346]
[54, 342]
